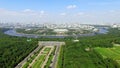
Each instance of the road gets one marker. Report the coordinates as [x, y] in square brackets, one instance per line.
[48, 55]
[53, 43]
[36, 58]
[42, 53]
[44, 43]
[25, 60]
[55, 59]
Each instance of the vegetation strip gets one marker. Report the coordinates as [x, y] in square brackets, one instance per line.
[39, 61]
[26, 64]
[113, 53]
[60, 58]
[51, 57]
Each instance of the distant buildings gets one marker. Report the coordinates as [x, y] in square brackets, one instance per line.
[58, 27]
[60, 31]
[69, 26]
[95, 30]
[115, 26]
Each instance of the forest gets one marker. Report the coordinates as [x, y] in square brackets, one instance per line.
[73, 55]
[82, 54]
[14, 49]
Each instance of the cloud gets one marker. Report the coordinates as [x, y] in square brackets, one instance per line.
[112, 11]
[26, 15]
[63, 14]
[28, 10]
[71, 6]
[80, 13]
[42, 12]
[41, 16]
[4, 12]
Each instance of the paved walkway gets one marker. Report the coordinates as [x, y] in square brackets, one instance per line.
[47, 57]
[36, 58]
[46, 44]
[42, 53]
[20, 65]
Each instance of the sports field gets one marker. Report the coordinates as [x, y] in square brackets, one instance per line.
[113, 53]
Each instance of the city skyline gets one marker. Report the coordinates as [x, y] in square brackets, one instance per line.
[60, 11]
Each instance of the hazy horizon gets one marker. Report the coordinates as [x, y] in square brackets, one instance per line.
[62, 11]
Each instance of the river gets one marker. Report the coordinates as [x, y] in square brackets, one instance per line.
[12, 32]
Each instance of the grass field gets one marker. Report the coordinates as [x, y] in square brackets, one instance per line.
[113, 53]
[47, 49]
[31, 59]
[39, 61]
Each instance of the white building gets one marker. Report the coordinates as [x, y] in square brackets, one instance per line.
[60, 31]
[114, 26]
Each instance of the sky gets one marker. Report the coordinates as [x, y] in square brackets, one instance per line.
[60, 11]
